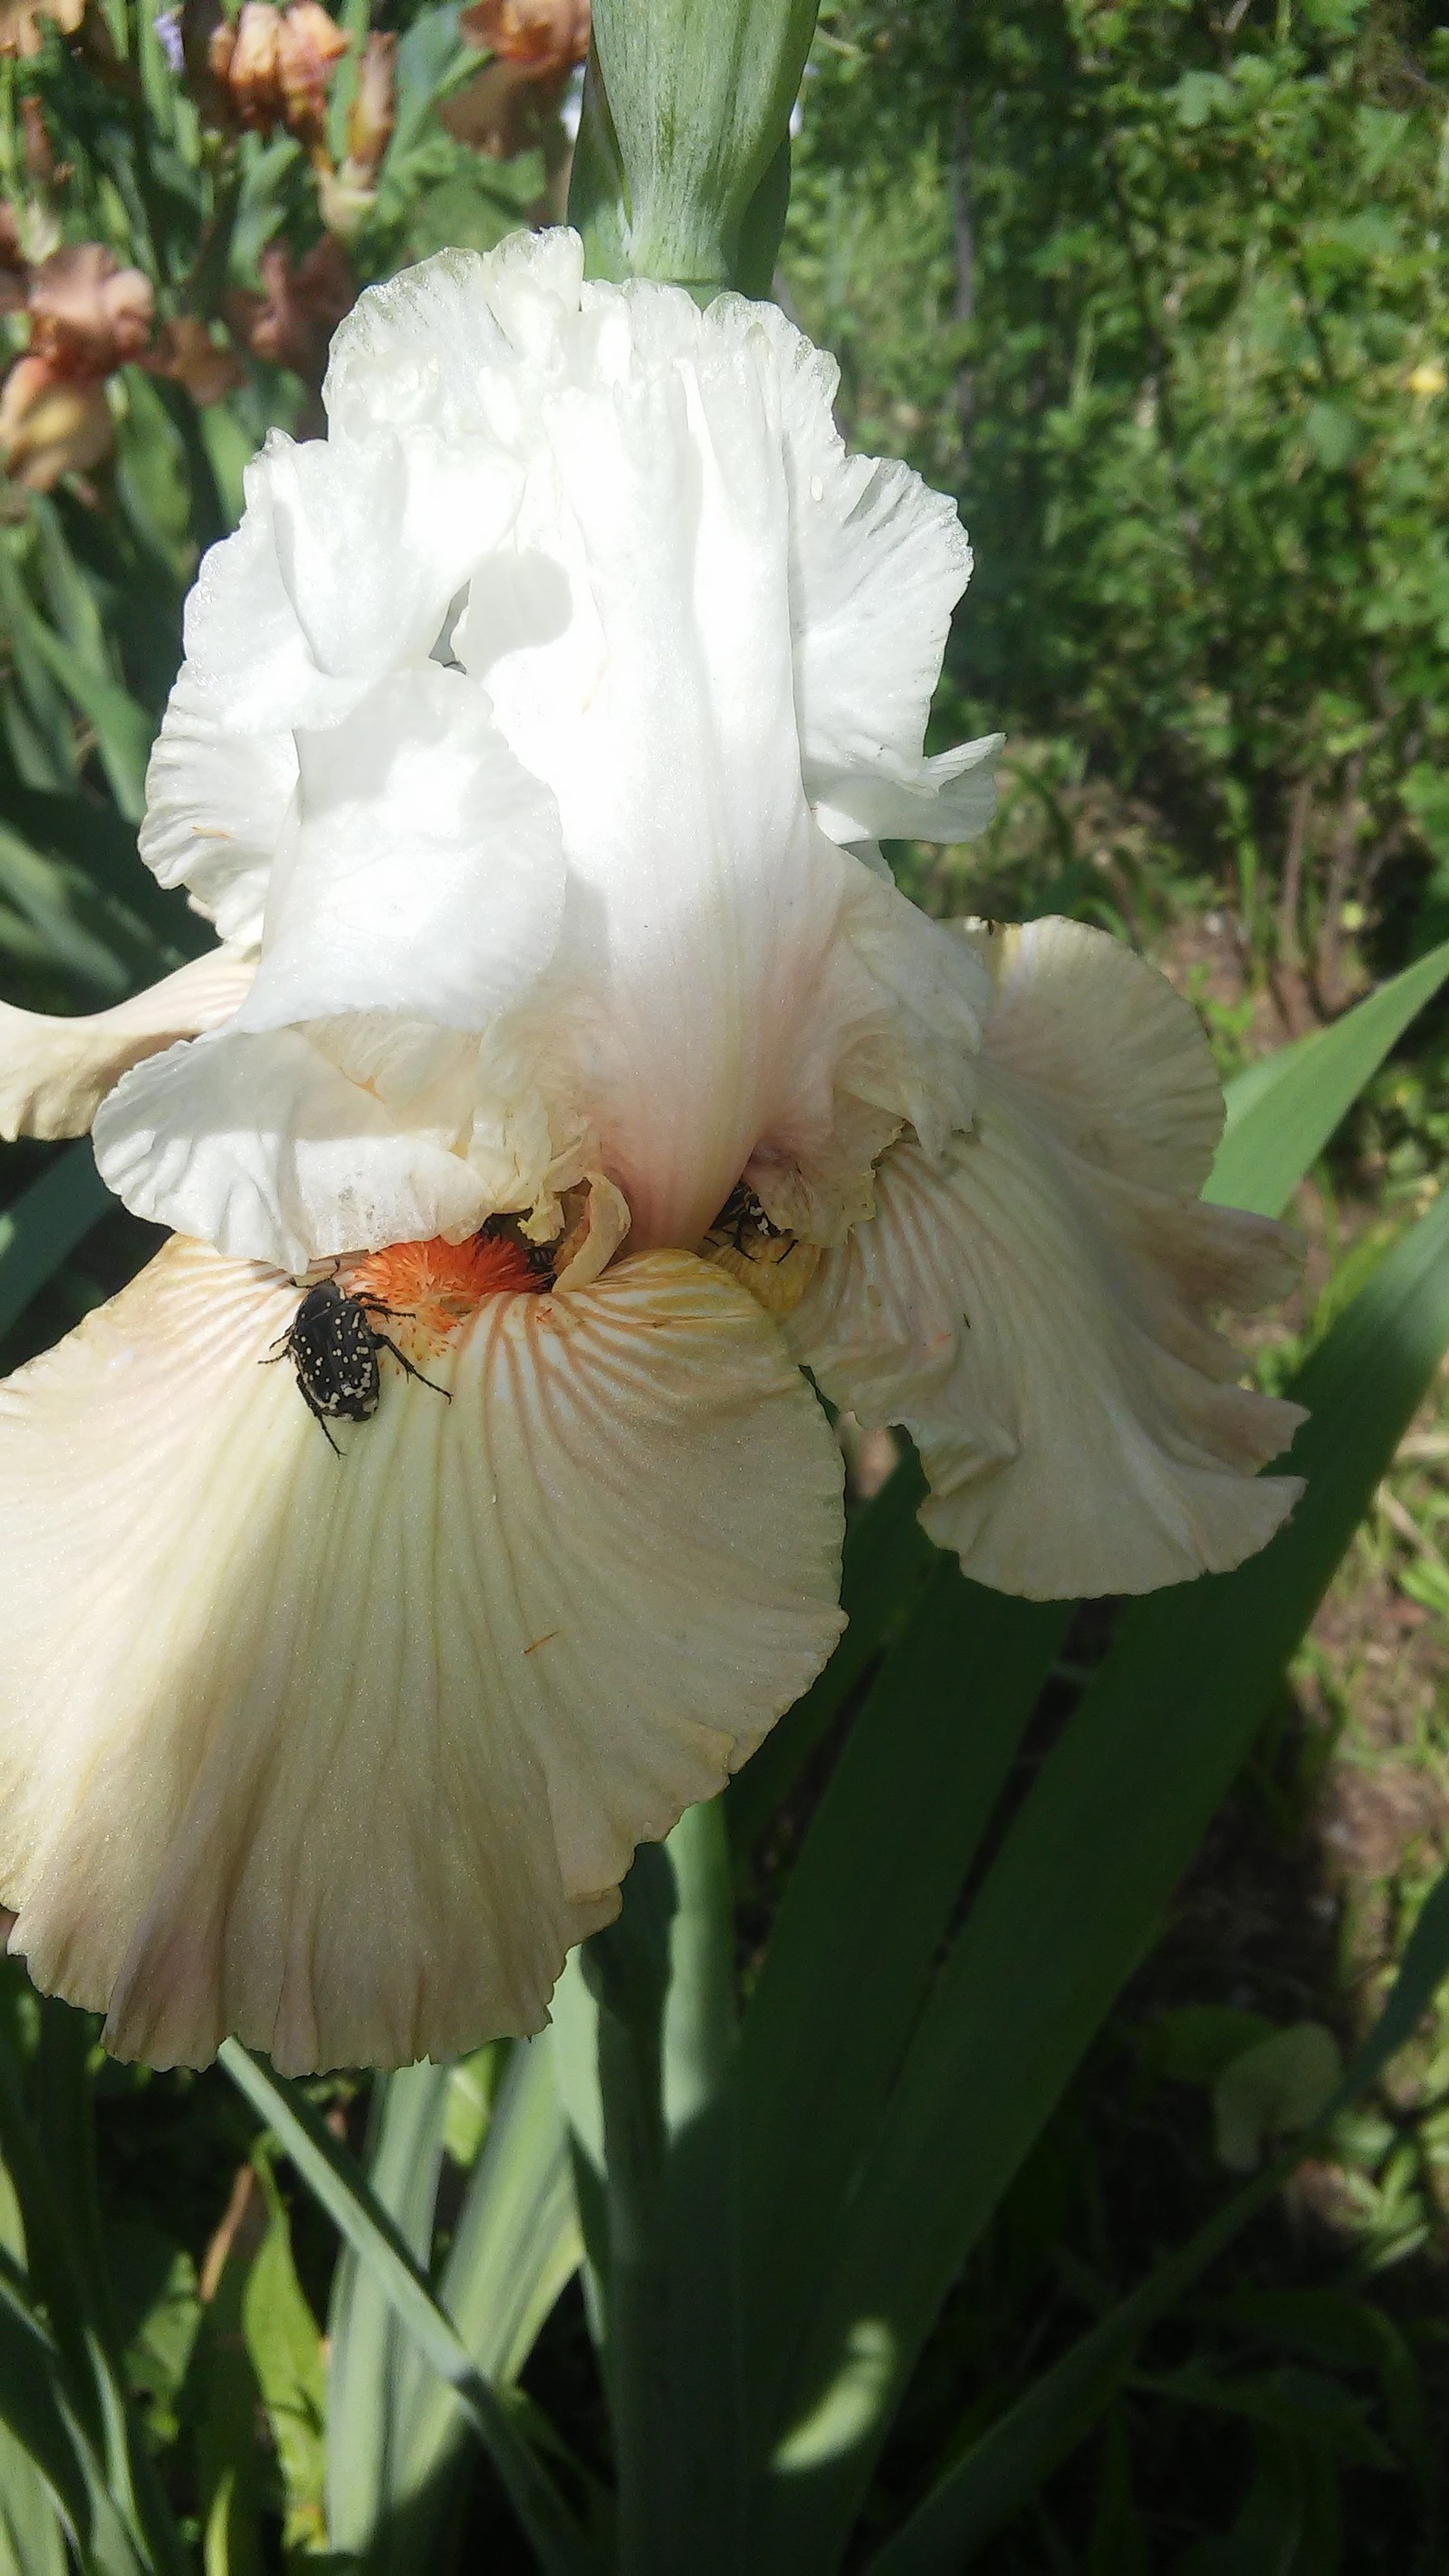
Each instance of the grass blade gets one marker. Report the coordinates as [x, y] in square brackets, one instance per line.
[515, 2245]
[334, 2181]
[1001, 2472]
[1282, 1112]
[863, 1917]
[371, 2357]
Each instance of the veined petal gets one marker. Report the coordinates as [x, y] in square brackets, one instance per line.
[260, 1143]
[426, 875]
[1114, 1061]
[54, 1073]
[1033, 1305]
[216, 806]
[347, 556]
[341, 1754]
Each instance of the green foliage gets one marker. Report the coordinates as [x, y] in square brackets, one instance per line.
[1160, 291]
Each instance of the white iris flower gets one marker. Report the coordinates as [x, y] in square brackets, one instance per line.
[534, 737]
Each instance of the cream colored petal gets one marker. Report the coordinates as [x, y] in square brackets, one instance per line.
[54, 1073]
[592, 1234]
[1112, 1058]
[1034, 1306]
[885, 1037]
[342, 1753]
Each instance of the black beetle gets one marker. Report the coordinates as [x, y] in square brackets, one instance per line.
[333, 1344]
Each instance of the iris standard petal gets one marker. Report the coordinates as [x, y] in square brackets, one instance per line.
[435, 346]
[216, 808]
[426, 874]
[343, 565]
[341, 1754]
[54, 1073]
[703, 614]
[703, 898]
[1033, 1304]
[877, 563]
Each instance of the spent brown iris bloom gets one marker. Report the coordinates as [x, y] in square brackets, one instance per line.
[88, 315]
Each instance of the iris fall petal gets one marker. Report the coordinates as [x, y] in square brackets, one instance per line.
[1033, 1304]
[342, 1754]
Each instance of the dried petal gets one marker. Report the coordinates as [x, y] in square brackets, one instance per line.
[544, 35]
[87, 313]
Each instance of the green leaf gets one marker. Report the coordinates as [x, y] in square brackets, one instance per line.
[1282, 1112]
[75, 663]
[888, 1562]
[35, 2411]
[515, 2245]
[223, 2405]
[51, 2166]
[123, 730]
[661, 2041]
[863, 1916]
[32, 2531]
[372, 2358]
[334, 2181]
[1002, 2471]
[1271, 2089]
[40, 1229]
[53, 899]
[1076, 1893]
[285, 2351]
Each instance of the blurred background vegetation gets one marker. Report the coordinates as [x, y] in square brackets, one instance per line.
[1160, 290]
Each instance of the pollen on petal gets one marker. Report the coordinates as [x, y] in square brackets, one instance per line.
[437, 1286]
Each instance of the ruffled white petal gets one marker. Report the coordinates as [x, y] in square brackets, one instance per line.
[704, 615]
[216, 808]
[263, 1145]
[341, 1754]
[877, 563]
[439, 346]
[344, 563]
[951, 797]
[1033, 1304]
[702, 898]
[54, 1073]
[426, 875]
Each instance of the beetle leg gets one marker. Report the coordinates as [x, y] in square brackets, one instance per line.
[318, 1416]
[381, 1342]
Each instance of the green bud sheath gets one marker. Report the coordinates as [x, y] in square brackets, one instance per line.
[683, 165]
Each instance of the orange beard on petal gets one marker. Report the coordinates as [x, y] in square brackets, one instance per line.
[436, 1286]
